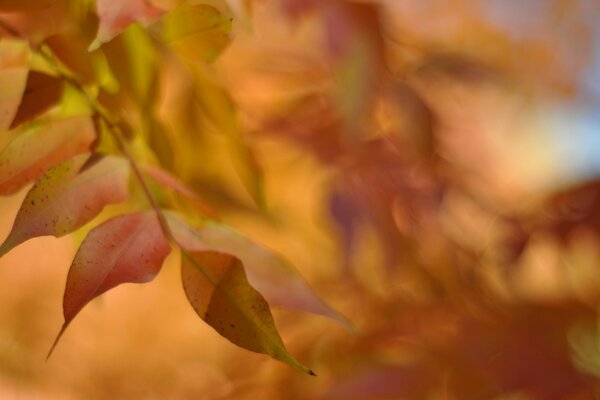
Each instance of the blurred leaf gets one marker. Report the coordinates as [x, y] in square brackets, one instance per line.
[195, 31]
[32, 151]
[91, 68]
[14, 65]
[168, 180]
[24, 6]
[115, 16]
[277, 280]
[41, 93]
[68, 196]
[129, 248]
[219, 109]
[216, 286]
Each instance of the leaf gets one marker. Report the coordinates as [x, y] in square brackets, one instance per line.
[23, 6]
[196, 31]
[166, 179]
[14, 65]
[278, 281]
[126, 249]
[115, 16]
[27, 156]
[216, 286]
[68, 196]
[41, 93]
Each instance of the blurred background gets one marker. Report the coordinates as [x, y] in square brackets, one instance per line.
[430, 167]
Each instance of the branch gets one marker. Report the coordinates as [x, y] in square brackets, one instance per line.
[99, 111]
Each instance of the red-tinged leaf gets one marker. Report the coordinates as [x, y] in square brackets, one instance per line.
[115, 16]
[31, 152]
[126, 249]
[277, 280]
[14, 65]
[66, 197]
[216, 286]
[41, 93]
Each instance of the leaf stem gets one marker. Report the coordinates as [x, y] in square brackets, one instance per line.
[112, 122]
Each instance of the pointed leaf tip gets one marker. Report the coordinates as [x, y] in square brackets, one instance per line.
[129, 248]
[218, 290]
[68, 196]
[278, 281]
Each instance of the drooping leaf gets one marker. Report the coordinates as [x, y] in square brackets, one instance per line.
[216, 286]
[115, 16]
[166, 179]
[31, 152]
[41, 93]
[195, 31]
[68, 196]
[220, 112]
[278, 281]
[14, 65]
[129, 248]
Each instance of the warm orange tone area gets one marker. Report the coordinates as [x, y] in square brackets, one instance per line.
[402, 197]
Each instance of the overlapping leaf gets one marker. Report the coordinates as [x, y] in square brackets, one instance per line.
[14, 65]
[216, 286]
[278, 281]
[129, 248]
[68, 196]
[197, 31]
[32, 151]
[41, 93]
[115, 16]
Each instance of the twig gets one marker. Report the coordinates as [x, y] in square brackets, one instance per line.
[68, 76]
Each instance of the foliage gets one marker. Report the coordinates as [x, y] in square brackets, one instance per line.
[430, 203]
[78, 151]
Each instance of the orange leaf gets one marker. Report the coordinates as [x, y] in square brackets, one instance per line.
[24, 6]
[31, 152]
[277, 280]
[68, 196]
[126, 249]
[217, 287]
[14, 64]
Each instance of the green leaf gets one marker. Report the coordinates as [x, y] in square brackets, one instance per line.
[68, 196]
[216, 286]
[32, 151]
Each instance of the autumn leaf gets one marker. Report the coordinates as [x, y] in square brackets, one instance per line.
[14, 65]
[33, 150]
[278, 281]
[129, 248]
[115, 16]
[21, 6]
[196, 31]
[68, 196]
[216, 286]
[168, 180]
[41, 94]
